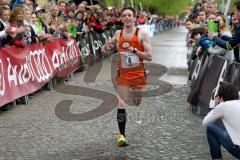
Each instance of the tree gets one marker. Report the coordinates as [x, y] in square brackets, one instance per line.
[166, 7]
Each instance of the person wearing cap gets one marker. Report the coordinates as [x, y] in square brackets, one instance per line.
[227, 110]
[42, 28]
[39, 9]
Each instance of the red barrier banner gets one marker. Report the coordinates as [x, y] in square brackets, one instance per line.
[25, 70]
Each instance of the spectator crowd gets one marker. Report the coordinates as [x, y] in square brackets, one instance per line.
[23, 22]
[210, 33]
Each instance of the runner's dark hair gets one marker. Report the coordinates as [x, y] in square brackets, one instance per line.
[129, 8]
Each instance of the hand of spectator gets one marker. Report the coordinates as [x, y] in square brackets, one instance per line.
[104, 23]
[53, 26]
[217, 100]
[28, 28]
[199, 50]
[49, 35]
[62, 27]
[104, 27]
[21, 29]
[10, 31]
[44, 36]
[211, 34]
[69, 36]
[220, 32]
[80, 33]
[40, 35]
[92, 24]
[86, 30]
[191, 42]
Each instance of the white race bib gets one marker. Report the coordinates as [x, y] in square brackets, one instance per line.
[129, 60]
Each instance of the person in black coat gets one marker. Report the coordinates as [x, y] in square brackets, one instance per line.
[5, 30]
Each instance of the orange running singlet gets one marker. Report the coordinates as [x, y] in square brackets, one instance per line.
[131, 72]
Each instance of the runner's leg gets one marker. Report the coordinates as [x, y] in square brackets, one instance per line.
[123, 93]
[136, 94]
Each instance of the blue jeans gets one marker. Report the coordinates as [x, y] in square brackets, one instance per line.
[217, 136]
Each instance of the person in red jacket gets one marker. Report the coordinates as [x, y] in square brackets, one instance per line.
[142, 18]
[94, 23]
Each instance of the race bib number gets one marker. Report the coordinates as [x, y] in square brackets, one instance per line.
[129, 60]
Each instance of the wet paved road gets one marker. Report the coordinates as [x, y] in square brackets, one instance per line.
[163, 127]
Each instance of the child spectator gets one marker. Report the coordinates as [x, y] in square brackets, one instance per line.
[71, 28]
[70, 13]
[199, 35]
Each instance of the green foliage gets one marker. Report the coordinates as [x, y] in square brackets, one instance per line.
[164, 7]
[232, 7]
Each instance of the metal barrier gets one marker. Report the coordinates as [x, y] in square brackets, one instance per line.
[206, 73]
[90, 52]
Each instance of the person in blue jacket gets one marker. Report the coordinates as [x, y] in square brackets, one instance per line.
[199, 35]
[17, 3]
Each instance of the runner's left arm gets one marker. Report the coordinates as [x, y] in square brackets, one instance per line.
[147, 54]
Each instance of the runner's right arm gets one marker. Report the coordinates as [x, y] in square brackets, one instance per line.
[111, 42]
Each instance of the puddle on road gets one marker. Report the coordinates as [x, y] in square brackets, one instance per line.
[176, 76]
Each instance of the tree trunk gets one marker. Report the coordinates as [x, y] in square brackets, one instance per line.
[115, 3]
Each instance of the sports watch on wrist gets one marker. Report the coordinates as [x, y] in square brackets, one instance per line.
[135, 50]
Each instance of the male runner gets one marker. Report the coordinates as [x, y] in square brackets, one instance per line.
[133, 47]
